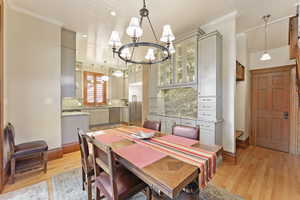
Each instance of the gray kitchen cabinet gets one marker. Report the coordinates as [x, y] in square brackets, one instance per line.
[124, 114]
[70, 123]
[98, 116]
[68, 86]
[114, 115]
[68, 62]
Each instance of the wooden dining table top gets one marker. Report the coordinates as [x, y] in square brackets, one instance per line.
[167, 175]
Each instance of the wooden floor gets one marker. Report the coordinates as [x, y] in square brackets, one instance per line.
[68, 162]
[260, 174]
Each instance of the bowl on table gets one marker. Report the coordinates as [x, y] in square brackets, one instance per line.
[144, 135]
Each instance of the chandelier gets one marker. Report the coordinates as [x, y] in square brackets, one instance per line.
[156, 52]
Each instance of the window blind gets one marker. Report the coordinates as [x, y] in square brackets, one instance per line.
[94, 89]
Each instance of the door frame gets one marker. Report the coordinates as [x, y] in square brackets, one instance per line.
[293, 105]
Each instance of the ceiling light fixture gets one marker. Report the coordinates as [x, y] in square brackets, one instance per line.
[84, 36]
[118, 73]
[113, 13]
[162, 49]
[105, 78]
[266, 56]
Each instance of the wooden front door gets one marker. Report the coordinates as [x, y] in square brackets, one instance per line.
[271, 108]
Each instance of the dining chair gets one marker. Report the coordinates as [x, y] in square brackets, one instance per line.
[154, 125]
[186, 131]
[113, 180]
[27, 156]
[189, 133]
[86, 163]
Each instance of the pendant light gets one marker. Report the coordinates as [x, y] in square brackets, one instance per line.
[266, 56]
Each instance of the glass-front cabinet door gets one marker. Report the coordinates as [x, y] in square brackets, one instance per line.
[179, 64]
[186, 61]
[165, 73]
[181, 69]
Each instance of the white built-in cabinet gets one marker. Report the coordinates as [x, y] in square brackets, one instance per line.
[210, 117]
[197, 63]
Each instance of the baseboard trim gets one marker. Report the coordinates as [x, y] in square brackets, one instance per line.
[55, 154]
[230, 157]
[242, 143]
[72, 147]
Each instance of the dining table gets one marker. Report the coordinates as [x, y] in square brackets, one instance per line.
[166, 163]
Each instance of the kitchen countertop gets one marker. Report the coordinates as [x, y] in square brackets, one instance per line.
[67, 114]
[94, 107]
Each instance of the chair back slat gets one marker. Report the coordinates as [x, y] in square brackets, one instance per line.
[84, 149]
[104, 160]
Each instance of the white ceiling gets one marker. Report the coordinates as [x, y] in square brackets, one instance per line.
[93, 17]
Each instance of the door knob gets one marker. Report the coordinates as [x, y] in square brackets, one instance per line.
[285, 115]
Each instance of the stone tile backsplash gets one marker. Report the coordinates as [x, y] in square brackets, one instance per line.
[177, 102]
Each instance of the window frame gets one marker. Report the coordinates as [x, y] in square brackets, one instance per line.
[85, 90]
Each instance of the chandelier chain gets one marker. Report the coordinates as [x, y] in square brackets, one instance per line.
[153, 31]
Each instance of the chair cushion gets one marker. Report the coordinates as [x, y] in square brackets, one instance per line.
[127, 183]
[29, 148]
[154, 125]
[186, 131]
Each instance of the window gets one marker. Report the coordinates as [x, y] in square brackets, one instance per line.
[94, 89]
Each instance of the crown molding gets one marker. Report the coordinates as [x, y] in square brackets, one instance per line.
[226, 17]
[32, 14]
[279, 20]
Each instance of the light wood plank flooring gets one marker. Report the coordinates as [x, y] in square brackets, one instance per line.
[260, 174]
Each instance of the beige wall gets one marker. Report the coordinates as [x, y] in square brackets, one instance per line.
[243, 92]
[32, 72]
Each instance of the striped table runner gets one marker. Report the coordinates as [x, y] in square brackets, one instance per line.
[204, 160]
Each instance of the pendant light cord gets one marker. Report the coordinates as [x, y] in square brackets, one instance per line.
[266, 37]
[266, 19]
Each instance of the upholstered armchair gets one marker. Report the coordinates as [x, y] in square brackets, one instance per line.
[25, 157]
